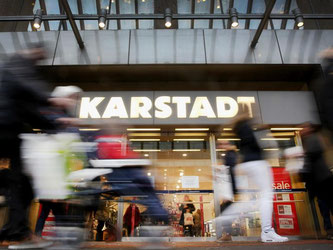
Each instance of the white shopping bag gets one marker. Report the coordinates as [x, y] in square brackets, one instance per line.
[222, 183]
[294, 159]
[188, 219]
[45, 159]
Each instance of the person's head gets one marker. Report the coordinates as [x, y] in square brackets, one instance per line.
[188, 210]
[198, 211]
[186, 197]
[72, 93]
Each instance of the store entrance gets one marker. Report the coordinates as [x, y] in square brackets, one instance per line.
[181, 173]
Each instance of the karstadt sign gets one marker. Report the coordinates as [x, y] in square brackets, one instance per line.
[167, 107]
[197, 107]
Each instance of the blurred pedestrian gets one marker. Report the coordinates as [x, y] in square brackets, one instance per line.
[316, 173]
[259, 172]
[22, 95]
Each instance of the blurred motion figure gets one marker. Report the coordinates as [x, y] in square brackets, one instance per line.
[22, 96]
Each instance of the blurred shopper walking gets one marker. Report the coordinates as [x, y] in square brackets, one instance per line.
[21, 97]
[259, 172]
[316, 173]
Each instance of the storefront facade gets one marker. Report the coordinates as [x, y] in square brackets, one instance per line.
[174, 92]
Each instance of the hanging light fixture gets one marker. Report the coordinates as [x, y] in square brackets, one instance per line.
[38, 19]
[298, 18]
[234, 18]
[102, 19]
[167, 18]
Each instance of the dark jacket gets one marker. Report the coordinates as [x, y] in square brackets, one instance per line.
[248, 146]
[21, 97]
[326, 96]
[315, 170]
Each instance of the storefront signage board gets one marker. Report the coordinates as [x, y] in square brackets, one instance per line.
[190, 181]
[168, 107]
[196, 107]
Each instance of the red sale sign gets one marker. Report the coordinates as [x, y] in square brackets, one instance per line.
[285, 217]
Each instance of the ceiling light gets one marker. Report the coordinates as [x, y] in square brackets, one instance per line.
[227, 129]
[146, 155]
[222, 154]
[190, 134]
[145, 139]
[190, 139]
[275, 139]
[102, 19]
[38, 19]
[179, 181]
[271, 149]
[234, 18]
[298, 18]
[167, 17]
[149, 174]
[177, 186]
[184, 155]
[282, 134]
[181, 173]
[143, 134]
[146, 150]
[199, 169]
[186, 150]
[191, 129]
[143, 129]
[165, 170]
[285, 129]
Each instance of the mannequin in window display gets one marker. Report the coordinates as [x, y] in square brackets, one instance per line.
[183, 207]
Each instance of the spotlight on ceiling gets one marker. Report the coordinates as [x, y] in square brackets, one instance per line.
[167, 18]
[38, 19]
[298, 18]
[234, 18]
[102, 19]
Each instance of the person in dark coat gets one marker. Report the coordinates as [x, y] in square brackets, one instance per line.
[21, 97]
[316, 173]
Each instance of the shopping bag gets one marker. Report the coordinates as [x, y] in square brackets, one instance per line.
[48, 159]
[188, 219]
[294, 159]
[222, 183]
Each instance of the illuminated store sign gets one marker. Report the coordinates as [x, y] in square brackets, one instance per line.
[163, 107]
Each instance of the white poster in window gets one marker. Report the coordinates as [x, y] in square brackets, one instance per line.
[286, 223]
[190, 181]
[285, 210]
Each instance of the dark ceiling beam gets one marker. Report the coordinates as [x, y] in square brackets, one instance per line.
[63, 22]
[231, 5]
[211, 11]
[76, 31]
[108, 12]
[43, 7]
[118, 12]
[136, 8]
[263, 23]
[192, 12]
